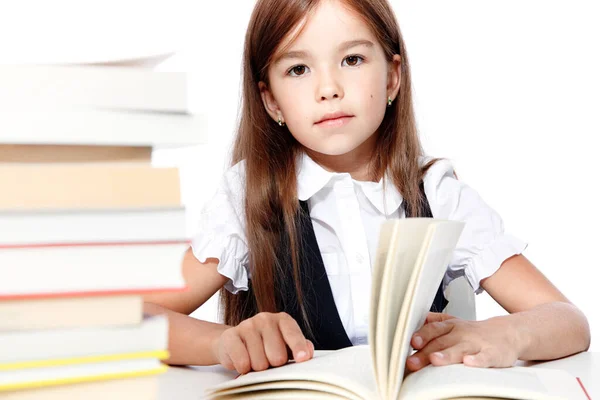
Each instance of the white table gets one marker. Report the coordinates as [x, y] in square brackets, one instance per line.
[184, 383]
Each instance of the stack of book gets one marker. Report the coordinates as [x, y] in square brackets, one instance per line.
[87, 227]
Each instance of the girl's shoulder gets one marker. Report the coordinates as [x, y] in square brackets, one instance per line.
[441, 169]
[220, 230]
[231, 186]
[229, 193]
[235, 175]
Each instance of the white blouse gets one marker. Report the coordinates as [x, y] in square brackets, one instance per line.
[346, 215]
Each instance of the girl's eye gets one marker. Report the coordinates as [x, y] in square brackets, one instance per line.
[298, 70]
[353, 61]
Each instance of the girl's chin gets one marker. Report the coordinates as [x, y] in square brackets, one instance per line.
[337, 147]
[329, 152]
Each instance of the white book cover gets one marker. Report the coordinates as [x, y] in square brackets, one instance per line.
[31, 87]
[102, 127]
[77, 343]
[92, 226]
[91, 267]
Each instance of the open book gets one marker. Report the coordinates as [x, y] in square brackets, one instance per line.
[411, 260]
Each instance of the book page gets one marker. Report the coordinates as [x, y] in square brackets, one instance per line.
[348, 369]
[458, 380]
[294, 394]
[310, 389]
[385, 238]
[423, 285]
[404, 249]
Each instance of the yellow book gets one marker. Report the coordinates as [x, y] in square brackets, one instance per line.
[88, 369]
[158, 354]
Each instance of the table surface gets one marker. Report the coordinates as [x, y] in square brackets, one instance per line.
[184, 383]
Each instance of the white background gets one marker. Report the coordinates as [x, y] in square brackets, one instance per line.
[509, 90]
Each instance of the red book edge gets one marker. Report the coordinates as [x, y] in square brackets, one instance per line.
[583, 388]
[54, 295]
[94, 244]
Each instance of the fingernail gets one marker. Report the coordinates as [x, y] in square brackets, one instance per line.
[470, 358]
[418, 341]
[439, 355]
[413, 360]
[300, 355]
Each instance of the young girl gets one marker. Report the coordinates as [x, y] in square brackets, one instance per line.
[326, 150]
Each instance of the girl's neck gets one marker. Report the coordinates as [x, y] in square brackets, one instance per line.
[355, 162]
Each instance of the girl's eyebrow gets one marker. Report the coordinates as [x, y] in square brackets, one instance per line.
[344, 46]
[353, 43]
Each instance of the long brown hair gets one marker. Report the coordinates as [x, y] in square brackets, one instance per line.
[269, 151]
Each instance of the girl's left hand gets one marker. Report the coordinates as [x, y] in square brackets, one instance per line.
[445, 340]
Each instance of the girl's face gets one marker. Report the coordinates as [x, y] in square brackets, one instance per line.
[332, 84]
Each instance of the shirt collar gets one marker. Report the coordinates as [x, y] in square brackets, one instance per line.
[312, 178]
[386, 201]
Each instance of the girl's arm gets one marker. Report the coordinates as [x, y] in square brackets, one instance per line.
[543, 325]
[195, 342]
[547, 324]
[190, 339]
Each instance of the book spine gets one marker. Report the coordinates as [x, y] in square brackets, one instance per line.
[158, 354]
[33, 296]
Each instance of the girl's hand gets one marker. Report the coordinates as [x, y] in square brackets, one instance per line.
[261, 342]
[445, 340]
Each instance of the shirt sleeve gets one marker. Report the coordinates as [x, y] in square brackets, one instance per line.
[220, 232]
[483, 245]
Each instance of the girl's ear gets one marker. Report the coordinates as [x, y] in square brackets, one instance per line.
[269, 102]
[394, 77]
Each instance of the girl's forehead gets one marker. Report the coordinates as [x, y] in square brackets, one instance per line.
[329, 25]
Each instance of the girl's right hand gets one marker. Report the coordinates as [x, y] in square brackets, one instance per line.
[261, 342]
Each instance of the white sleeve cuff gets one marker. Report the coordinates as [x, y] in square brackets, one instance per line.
[232, 254]
[489, 260]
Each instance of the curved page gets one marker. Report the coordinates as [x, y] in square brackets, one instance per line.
[295, 394]
[386, 234]
[424, 283]
[396, 370]
[348, 368]
[405, 245]
[460, 381]
[309, 388]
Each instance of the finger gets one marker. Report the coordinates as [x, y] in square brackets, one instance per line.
[415, 362]
[294, 338]
[421, 358]
[429, 332]
[238, 354]
[274, 344]
[226, 361]
[483, 359]
[437, 317]
[452, 355]
[433, 317]
[311, 348]
[256, 350]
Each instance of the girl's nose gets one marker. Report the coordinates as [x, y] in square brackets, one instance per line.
[329, 88]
